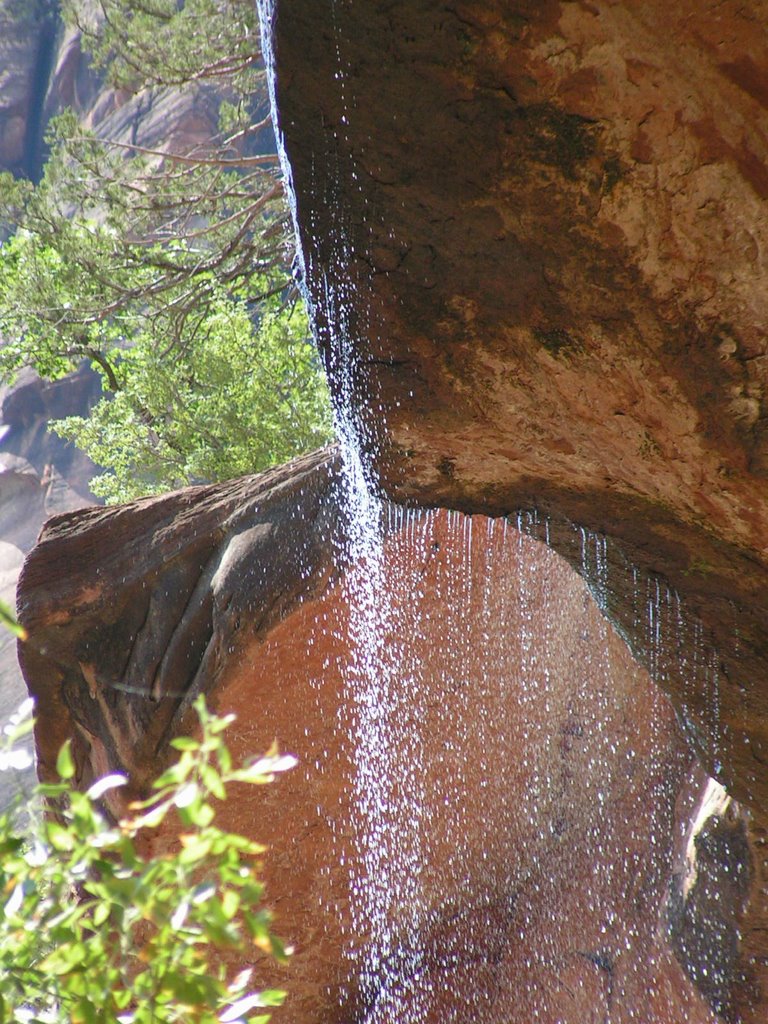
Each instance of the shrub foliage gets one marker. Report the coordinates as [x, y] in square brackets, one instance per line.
[95, 931]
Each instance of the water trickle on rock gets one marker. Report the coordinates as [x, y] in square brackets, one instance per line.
[512, 775]
[377, 688]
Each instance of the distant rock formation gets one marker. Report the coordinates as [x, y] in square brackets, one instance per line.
[27, 41]
[40, 475]
[43, 70]
[486, 777]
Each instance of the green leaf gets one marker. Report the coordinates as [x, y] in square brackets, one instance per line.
[60, 837]
[185, 743]
[212, 781]
[101, 914]
[230, 904]
[84, 910]
[8, 619]
[65, 765]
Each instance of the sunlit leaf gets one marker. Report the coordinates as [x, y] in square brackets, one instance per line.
[8, 619]
[65, 765]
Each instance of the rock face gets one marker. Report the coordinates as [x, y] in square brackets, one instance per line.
[26, 410]
[27, 41]
[542, 227]
[182, 613]
[494, 806]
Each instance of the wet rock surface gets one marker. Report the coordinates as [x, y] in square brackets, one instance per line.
[708, 899]
[499, 839]
[545, 227]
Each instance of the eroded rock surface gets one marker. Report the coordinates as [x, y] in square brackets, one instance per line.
[543, 228]
[132, 607]
[487, 820]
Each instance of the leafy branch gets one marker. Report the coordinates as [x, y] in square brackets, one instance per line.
[95, 931]
[167, 270]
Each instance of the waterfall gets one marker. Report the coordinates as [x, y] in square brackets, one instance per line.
[513, 773]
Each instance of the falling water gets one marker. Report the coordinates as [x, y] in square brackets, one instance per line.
[377, 690]
[527, 769]
[497, 775]
[670, 634]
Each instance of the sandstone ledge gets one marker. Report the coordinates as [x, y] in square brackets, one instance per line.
[130, 608]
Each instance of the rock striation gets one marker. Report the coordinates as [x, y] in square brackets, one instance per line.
[495, 816]
[40, 475]
[43, 70]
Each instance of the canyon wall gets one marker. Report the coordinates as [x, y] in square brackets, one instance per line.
[43, 70]
[542, 227]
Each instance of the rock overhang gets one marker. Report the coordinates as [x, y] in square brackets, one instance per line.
[544, 225]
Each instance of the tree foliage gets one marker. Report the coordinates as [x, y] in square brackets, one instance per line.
[239, 400]
[164, 42]
[94, 931]
[169, 271]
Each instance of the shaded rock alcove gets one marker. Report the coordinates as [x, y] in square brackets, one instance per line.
[496, 824]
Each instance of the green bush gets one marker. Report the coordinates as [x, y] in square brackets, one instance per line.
[94, 932]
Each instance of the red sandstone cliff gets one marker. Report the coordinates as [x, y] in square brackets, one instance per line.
[546, 227]
[545, 223]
